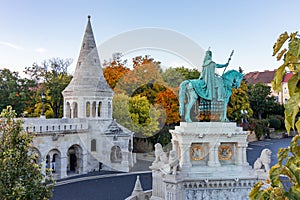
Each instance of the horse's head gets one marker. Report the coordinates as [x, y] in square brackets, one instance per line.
[233, 78]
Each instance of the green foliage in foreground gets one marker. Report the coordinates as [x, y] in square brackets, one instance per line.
[20, 176]
[288, 158]
[291, 170]
[291, 58]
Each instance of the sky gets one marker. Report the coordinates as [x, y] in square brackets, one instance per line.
[32, 31]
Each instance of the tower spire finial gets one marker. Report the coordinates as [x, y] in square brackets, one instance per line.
[89, 16]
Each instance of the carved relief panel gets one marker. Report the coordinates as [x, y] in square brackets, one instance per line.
[198, 153]
[226, 153]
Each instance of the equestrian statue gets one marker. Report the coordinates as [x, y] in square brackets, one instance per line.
[211, 90]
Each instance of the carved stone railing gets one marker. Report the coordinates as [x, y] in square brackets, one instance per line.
[207, 184]
[49, 126]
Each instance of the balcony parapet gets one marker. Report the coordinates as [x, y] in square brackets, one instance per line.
[49, 126]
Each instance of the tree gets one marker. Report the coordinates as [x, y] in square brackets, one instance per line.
[172, 77]
[20, 176]
[114, 69]
[260, 100]
[239, 101]
[169, 101]
[53, 77]
[16, 91]
[136, 114]
[188, 73]
[288, 158]
[145, 74]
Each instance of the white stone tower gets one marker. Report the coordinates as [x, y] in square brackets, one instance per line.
[88, 95]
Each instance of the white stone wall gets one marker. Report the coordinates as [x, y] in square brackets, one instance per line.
[56, 136]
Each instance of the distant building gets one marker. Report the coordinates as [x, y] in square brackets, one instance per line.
[266, 78]
[87, 138]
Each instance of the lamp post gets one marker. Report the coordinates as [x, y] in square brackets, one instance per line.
[43, 106]
[244, 120]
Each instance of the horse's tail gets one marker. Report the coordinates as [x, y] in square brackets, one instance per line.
[182, 91]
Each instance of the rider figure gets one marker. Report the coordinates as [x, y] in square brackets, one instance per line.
[213, 84]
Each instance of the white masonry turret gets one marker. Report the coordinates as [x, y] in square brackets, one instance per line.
[88, 95]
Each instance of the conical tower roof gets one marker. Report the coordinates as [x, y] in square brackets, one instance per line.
[138, 190]
[88, 77]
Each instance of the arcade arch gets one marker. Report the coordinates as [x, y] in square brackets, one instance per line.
[116, 154]
[75, 159]
[53, 161]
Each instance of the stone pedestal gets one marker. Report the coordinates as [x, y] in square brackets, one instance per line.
[213, 163]
[158, 185]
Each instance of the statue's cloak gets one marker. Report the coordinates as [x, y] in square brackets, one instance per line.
[201, 88]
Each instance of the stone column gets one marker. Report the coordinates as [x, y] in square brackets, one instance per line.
[244, 154]
[185, 162]
[63, 166]
[213, 157]
[44, 167]
[124, 158]
[96, 111]
[71, 114]
[65, 110]
[81, 108]
[158, 186]
[241, 158]
[91, 109]
[84, 163]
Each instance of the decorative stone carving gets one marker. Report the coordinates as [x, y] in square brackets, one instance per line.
[197, 152]
[161, 158]
[225, 152]
[173, 162]
[212, 194]
[262, 164]
[263, 161]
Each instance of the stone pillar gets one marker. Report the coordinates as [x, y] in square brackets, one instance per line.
[125, 162]
[71, 114]
[213, 157]
[244, 155]
[84, 163]
[91, 109]
[173, 191]
[96, 111]
[81, 108]
[158, 185]
[65, 110]
[44, 167]
[185, 162]
[241, 158]
[63, 166]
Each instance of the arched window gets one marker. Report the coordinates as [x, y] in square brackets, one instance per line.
[109, 109]
[116, 154]
[68, 110]
[93, 145]
[94, 109]
[99, 109]
[75, 110]
[88, 109]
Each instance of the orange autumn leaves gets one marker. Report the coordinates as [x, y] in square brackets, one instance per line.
[145, 79]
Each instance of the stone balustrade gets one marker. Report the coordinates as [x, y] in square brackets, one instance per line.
[48, 126]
